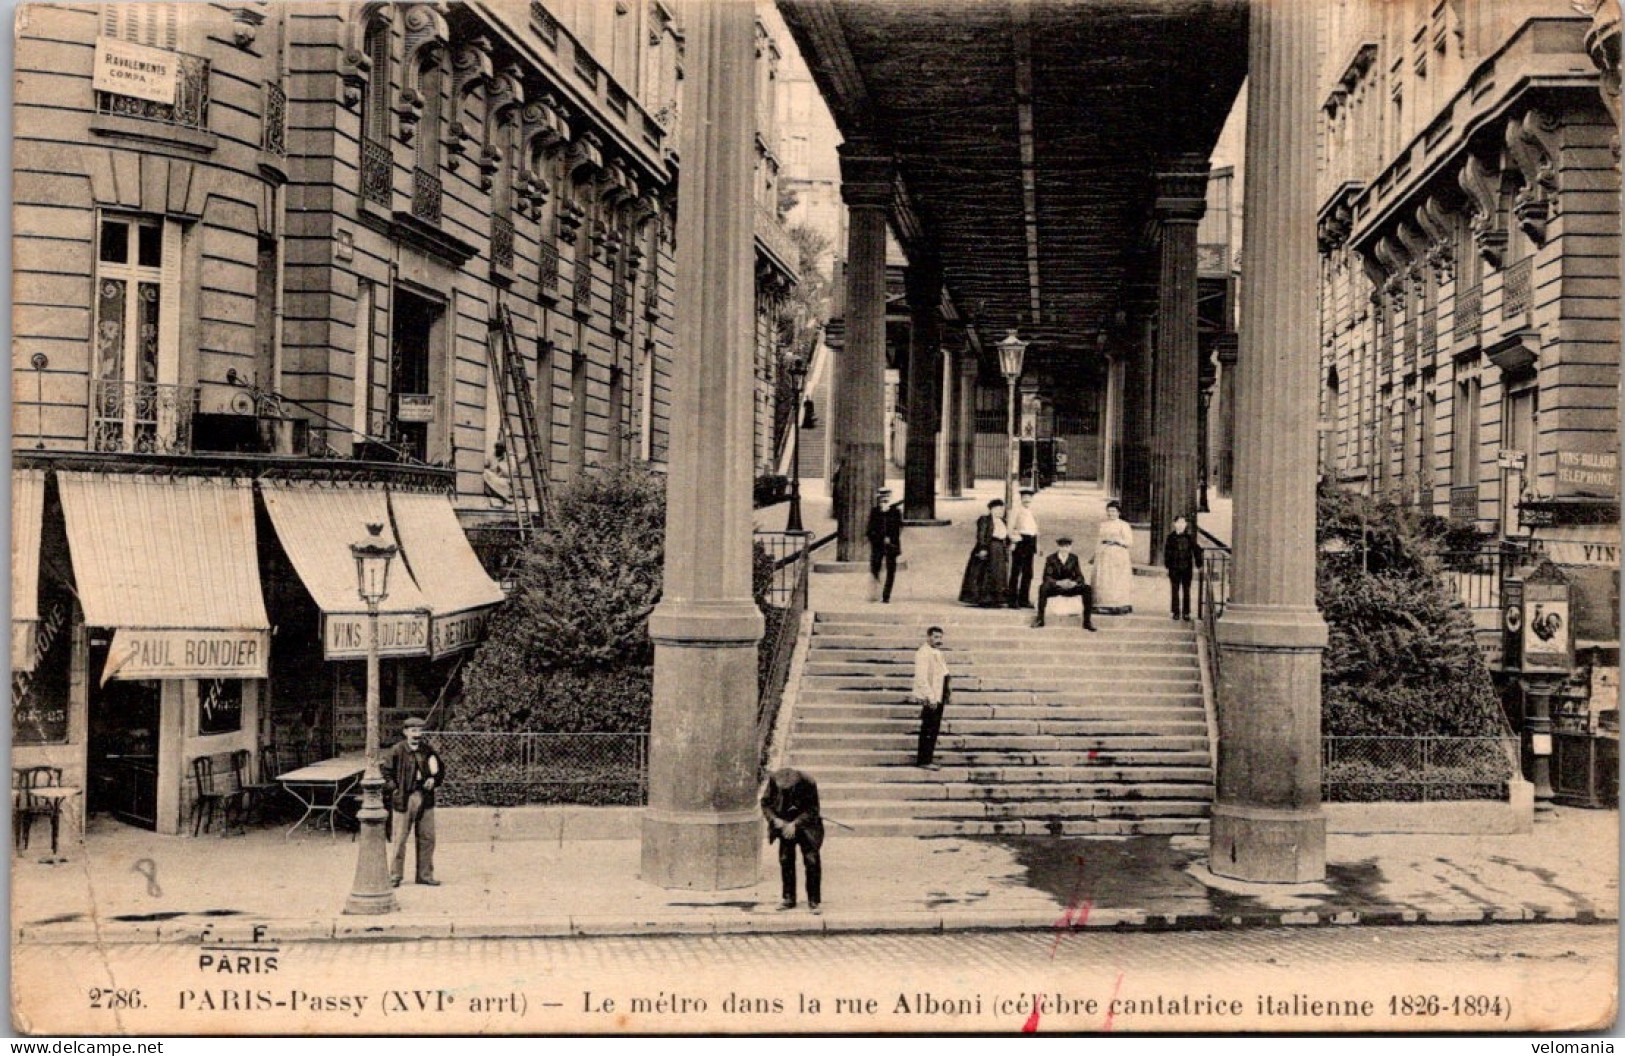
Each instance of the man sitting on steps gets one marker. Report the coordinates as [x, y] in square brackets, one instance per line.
[1063, 578]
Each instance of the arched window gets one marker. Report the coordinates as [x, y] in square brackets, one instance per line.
[377, 162]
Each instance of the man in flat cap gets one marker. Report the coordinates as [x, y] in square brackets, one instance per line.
[412, 771]
[1063, 578]
[885, 534]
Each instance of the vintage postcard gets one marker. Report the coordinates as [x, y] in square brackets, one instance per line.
[815, 516]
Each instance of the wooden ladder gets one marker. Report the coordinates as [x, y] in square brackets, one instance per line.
[527, 468]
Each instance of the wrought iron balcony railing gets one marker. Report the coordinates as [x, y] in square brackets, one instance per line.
[275, 139]
[1469, 313]
[547, 273]
[137, 417]
[426, 195]
[1516, 292]
[190, 108]
[502, 242]
[377, 172]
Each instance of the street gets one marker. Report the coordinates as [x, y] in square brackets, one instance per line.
[1519, 977]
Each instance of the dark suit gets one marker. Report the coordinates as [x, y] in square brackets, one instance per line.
[1181, 556]
[411, 805]
[885, 534]
[790, 796]
[1057, 570]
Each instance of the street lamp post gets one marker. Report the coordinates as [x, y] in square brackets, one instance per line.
[798, 375]
[371, 892]
[1011, 351]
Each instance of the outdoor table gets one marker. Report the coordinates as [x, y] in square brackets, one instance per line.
[56, 795]
[321, 787]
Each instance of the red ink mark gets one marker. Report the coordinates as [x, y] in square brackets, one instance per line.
[1074, 917]
[1031, 1026]
[1111, 1007]
[1093, 755]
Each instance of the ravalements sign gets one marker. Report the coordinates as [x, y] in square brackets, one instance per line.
[136, 70]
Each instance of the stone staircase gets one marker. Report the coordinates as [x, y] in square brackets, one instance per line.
[1052, 731]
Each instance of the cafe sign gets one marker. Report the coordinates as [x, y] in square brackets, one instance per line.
[141, 653]
[344, 634]
[1588, 473]
[414, 407]
[136, 71]
[460, 630]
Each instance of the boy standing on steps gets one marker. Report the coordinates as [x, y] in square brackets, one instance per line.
[931, 692]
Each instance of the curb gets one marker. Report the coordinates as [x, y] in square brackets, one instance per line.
[354, 929]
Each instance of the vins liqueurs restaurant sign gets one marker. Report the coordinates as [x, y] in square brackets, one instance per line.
[138, 653]
[135, 71]
[344, 634]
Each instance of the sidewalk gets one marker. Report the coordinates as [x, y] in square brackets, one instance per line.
[1566, 870]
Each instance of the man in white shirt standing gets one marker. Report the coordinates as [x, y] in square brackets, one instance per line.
[931, 692]
[1023, 551]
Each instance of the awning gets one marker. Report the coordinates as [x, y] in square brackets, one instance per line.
[459, 593]
[171, 565]
[317, 523]
[27, 513]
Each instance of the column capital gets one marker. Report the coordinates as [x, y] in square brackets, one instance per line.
[1182, 191]
[868, 175]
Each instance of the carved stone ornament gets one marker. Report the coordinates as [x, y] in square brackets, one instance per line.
[1434, 220]
[355, 68]
[1483, 187]
[1416, 248]
[1532, 142]
[1602, 43]
[427, 39]
[585, 158]
[1391, 255]
[543, 130]
[470, 70]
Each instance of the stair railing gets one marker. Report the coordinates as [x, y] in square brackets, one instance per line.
[1213, 592]
[791, 566]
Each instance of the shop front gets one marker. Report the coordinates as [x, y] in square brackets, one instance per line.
[170, 642]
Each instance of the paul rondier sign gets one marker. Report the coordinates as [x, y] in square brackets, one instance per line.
[136, 70]
[140, 653]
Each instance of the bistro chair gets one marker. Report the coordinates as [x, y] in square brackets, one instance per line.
[215, 791]
[25, 806]
[254, 792]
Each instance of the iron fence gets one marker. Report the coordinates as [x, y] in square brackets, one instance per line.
[511, 769]
[1421, 769]
[787, 600]
[142, 417]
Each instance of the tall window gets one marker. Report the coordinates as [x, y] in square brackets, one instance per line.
[578, 404]
[136, 402]
[544, 405]
[157, 25]
[376, 102]
[615, 440]
[1464, 434]
[1518, 434]
[361, 422]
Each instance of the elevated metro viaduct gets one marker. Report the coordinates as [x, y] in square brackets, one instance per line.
[1044, 167]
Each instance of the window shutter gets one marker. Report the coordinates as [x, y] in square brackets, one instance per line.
[169, 307]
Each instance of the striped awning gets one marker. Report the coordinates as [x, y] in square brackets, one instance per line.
[27, 514]
[170, 564]
[317, 523]
[459, 593]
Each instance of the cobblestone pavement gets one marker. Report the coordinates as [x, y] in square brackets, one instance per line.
[1485, 978]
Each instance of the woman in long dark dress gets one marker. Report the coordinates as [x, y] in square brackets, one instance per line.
[989, 564]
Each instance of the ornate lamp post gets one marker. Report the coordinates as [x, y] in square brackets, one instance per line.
[798, 375]
[371, 892]
[1011, 351]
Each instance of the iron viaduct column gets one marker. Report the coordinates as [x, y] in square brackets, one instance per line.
[924, 401]
[702, 829]
[866, 187]
[969, 368]
[1267, 822]
[953, 485]
[1134, 484]
[1181, 200]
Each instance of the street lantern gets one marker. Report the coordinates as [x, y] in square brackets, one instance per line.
[372, 561]
[371, 892]
[1011, 351]
[798, 377]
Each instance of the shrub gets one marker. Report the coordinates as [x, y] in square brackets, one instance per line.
[1402, 659]
[770, 488]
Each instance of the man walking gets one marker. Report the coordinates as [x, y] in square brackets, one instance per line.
[1063, 578]
[412, 771]
[885, 534]
[931, 693]
[1181, 556]
[1024, 549]
[790, 804]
